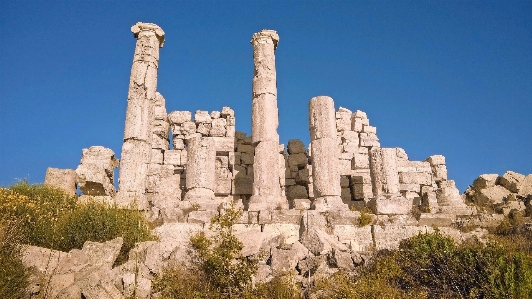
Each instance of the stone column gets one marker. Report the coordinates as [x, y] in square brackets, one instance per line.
[324, 153]
[384, 174]
[136, 150]
[265, 120]
[201, 171]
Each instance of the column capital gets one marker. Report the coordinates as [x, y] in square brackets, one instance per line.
[159, 33]
[266, 34]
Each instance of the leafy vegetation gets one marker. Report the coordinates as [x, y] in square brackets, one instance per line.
[13, 276]
[47, 217]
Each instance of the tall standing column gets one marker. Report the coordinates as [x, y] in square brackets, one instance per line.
[265, 120]
[136, 150]
[324, 153]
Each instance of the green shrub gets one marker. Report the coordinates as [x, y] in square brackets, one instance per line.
[364, 219]
[13, 274]
[220, 269]
[50, 218]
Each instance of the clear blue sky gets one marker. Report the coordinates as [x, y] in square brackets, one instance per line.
[435, 77]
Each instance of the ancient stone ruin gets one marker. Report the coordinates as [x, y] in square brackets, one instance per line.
[307, 198]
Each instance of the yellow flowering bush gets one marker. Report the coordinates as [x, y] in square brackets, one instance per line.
[48, 217]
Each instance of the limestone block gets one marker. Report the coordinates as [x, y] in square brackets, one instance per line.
[343, 119]
[357, 238]
[356, 125]
[201, 163]
[224, 144]
[200, 217]
[420, 178]
[160, 127]
[184, 157]
[318, 242]
[296, 146]
[202, 117]
[394, 205]
[362, 191]
[389, 237]
[401, 154]
[343, 218]
[245, 148]
[344, 167]
[525, 189]
[246, 158]
[288, 231]
[285, 261]
[369, 140]
[436, 160]
[413, 166]
[178, 144]
[360, 161]
[361, 178]
[297, 191]
[286, 216]
[344, 182]
[298, 160]
[265, 118]
[439, 172]
[204, 129]
[512, 181]
[438, 220]
[369, 129]
[230, 131]
[290, 182]
[218, 127]
[215, 114]
[322, 118]
[64, 179]
[302, 176]
[242, 185]
[179, 117]
[95, 173]
[492, 195]
[159, 142]
[188, 128]
[429, 198]
[301, 204]
[383, 166]
[227, 112]
[350, 146]
[346, 195]
[409, 187]
[157, 156]
[222, 186]
[447, 194]
[360, 114]
[485, 181]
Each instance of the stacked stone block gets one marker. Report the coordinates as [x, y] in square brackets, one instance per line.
[298, 174]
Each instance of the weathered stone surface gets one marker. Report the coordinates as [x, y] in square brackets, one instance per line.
[285, 260]
[297, 191]
[526, 186]
[492, 195]
[319, 242]
[384, 174]
[296, 146]
[354, 237]
[512, 181]
[322, 118]
[201, 163]
[64, 179]
[485, 181]
[95, 174]
[325, 174]
[436, 160]
[393, 205]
